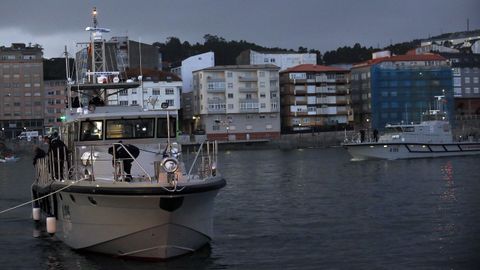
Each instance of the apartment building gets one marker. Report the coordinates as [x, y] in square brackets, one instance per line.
[21, 89]
[396, 89]
[156, 87]
[314, 98]
[283, 60]
[232, 103]
[466, 83]
[55, 96]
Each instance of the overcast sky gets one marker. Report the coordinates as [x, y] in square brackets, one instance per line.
[317, 24]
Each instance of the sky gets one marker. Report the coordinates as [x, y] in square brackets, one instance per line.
[315, 24]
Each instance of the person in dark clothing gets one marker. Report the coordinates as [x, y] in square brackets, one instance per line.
[122, 154]
[375, 135]
[362, 135]
[96, 101]
[76, 103]
[57, 152]
[38, 153]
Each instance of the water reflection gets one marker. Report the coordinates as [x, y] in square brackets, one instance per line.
[447, 176]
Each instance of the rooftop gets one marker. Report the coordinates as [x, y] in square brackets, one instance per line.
[313, 68]
[241, 67]
[402, 58]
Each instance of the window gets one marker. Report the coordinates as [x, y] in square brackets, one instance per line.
[123, 102]
[91, 130]
[170, 102]
[262, 95]
[162, 131]
[262, 84]
[248, 96]
[261, 74]
[123, 93]
[262, 105]
[230, 85]
[169, 91]
[467, 90]
[230, 106]
[229, 74]
[129, 128]
[134, 102]
[467, 79]
[156, 92]
[230, 95]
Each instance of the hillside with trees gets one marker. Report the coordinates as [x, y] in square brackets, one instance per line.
[174, 51]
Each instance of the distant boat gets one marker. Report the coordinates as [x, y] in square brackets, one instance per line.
[9, 159]
[428, 139]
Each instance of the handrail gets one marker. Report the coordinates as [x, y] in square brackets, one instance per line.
[196, 157]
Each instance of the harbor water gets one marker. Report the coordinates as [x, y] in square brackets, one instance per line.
[296, 209]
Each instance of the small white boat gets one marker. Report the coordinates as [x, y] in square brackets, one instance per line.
[428, 139]
[9, 159]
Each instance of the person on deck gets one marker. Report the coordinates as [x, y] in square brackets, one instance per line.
[125, 157]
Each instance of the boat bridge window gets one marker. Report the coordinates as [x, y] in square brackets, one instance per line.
[91, 130]
[162, 131]
[393, 130]
[130, 128]
[408, 129]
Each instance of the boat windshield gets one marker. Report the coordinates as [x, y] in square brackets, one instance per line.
[91, 130]
[389, 130]
[115, 129]
[130, 128]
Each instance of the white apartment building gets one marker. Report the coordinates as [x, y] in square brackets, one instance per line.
[282, 59]
[196, 62]
[237, 102]
[150, 95]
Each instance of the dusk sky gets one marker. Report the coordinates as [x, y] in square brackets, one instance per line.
[315, 24]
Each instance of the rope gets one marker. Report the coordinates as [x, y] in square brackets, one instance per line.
[43, 197]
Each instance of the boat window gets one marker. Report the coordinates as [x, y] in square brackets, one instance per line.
[162, 128]
[91, 130]
[408, 129]
[393, 130]
[130, 128]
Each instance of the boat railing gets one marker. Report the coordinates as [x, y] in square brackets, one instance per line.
[119, 163]
[205, 162]
[55, 166]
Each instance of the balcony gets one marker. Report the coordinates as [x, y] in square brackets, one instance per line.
[216, 108]
[248, 89]
[247, 78]
[249, 105]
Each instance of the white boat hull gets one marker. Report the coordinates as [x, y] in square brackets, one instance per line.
[392, 151]
[141, 226]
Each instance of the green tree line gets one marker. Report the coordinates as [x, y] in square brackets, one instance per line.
[174, 50]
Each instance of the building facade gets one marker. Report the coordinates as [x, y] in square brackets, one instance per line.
[21, 89]
[466, 83]
[232, 103]
[314, 98]
[193, 63]
[398, 89]
[119, 54]
[156, 87]
[283, 60]
[55, 95]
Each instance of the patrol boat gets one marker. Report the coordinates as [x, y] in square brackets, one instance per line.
[430, 138]
[90, 200]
